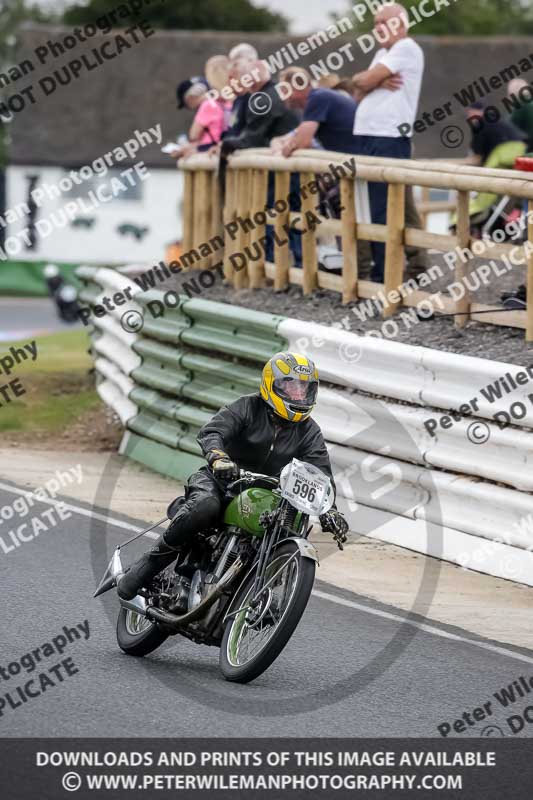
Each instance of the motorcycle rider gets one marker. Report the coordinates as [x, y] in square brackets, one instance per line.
[260, 432]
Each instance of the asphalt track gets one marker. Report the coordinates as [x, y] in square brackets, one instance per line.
[353, 667]
[27, 318]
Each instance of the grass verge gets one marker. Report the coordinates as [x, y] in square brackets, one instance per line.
[59, 388]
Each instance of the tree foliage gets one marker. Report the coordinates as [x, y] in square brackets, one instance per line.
[220, 15]
[471, 18]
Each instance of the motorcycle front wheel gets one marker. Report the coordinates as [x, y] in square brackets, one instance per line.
[136, 635]
[255, 637]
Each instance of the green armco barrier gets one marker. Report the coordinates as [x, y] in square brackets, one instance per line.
[153, 401]
[158, 352]
[233, 317]
[154, 428]
[213, 395]
[152, 375]
[165, 460]
[171, 409]
[196, 357]
[165, 329]
[26, 279]
[234, 343]
[247, 376]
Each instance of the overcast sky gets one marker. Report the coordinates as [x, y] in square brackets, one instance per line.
[306, 15]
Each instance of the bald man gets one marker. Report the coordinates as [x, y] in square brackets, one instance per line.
[389, 91]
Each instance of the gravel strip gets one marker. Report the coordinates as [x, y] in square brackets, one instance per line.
[475, 339]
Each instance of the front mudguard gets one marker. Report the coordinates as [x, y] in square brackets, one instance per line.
[307, 550]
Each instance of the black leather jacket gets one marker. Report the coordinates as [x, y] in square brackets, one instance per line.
[257, 439]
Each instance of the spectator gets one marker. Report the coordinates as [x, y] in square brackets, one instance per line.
[258, 131]
[488, 138]
[347, 87]
[241, 59]
[389, 91]
[211, 118]
[522, 116]
[494, 145]
[260, 127]
[330, 81]
[327, 114]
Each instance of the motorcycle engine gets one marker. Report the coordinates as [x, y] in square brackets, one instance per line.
[180, 594]
[196, 593]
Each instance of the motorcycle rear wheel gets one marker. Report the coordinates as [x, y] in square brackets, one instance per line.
[136, 635]
[272, 624]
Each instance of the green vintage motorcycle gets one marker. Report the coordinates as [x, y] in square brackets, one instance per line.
[242, 586]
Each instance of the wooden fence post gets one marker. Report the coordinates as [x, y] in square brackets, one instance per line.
[188, 211]
[529, 327]
[462, 306]
[282, 252]
[349, 241]
[309, 247]
[243, 202]
[256, 268]
[229, 214]
[217, 228]
[394, 248]
[202, 210]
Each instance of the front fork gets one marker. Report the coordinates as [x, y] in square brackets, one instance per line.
[285, 515]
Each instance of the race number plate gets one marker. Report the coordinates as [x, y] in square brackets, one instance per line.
[305, 487]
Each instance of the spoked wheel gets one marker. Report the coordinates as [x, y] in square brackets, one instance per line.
[255, 637]
[136, 635]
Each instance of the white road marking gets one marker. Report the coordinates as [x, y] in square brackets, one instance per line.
[494, 648]
[332, 598]
[84, 512]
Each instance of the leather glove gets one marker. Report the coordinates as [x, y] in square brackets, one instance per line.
[333, 522]
[222, 466]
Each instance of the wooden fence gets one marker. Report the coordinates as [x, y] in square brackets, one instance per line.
[246, 195]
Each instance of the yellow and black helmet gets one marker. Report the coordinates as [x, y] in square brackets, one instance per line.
[289, 385]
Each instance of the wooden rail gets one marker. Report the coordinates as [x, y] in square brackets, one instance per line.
[243, 251]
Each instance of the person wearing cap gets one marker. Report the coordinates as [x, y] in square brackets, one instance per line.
[212, 116]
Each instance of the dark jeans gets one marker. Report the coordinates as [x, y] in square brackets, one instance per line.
[200, 508]
[385, 147]
[295, 204]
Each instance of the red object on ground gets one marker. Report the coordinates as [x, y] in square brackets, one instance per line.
[525, 163]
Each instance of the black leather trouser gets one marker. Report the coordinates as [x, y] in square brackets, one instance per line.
[200, 508]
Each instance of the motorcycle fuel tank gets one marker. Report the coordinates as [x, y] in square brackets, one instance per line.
[245, 510]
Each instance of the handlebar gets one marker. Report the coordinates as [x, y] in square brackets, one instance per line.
[249, 477]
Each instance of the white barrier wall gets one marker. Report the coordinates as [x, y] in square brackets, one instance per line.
[448, 495]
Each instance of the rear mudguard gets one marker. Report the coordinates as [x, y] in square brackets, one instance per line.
[307, 550]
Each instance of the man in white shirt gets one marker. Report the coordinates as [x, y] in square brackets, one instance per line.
[389, 91]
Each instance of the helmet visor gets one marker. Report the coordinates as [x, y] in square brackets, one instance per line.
[296, 392]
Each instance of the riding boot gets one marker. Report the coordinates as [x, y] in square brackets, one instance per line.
[144, 570]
